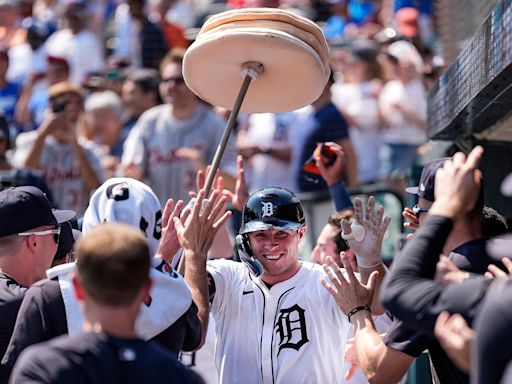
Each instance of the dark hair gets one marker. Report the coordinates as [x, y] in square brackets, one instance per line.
[113, 263]
[174, 56]
[144, 78]
[335, 221]
[493, 224]
[4, 127]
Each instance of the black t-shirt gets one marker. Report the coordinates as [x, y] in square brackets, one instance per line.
[11, 294]
[330, 126]
[99, 358]
[471, 256]
[409, 291]
[42, 317]
[493, 347]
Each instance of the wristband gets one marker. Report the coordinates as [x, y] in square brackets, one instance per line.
[358, 309]
[365, 262]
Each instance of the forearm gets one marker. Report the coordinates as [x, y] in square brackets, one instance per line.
[377, 308]
[22, 113]
[282, 154]
[196, 278]
[379, 363]
[351, 163]
[413, 118]
[340, 196]
[89, 175]
[34, 155]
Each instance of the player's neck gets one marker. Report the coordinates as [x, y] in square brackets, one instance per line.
[116, 321]
[276, 279]
[184, 111]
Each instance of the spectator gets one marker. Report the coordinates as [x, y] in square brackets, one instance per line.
[140, 93]
[68, 236]
[139, 40]
[112, 280]
[69, 163]
[11, 34]
[29, 234]
[172, 141]
[268, 144]
[81, 47]
[319, 123]
[357, 98]
[403, 105]
[9, 92]
[5, 144]
[104, 114]
[173, 33]
[32, 107]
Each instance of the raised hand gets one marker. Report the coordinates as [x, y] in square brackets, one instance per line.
[333, 173]
[374, 225]
[412, 221]
[348, 291]
[197, 232]
[169, 243]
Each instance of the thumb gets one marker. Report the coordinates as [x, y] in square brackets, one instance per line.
[351, 372]
[372, 280]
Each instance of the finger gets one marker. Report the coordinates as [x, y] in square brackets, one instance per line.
[178, 225]
[459, 159]
[440, 323]
[185, 214]
[372, 280]
[199, 180]
[345, 226]
[495, 271]
[358, 210]
[379, 214]
[196, 210]
[507, 263]
[488, 275]
[329, 287]
[220, 222]
[370, 209]
[209, 204]
[192, 193]
[474, 157]
[177, 208]
[168, 209]
[348, 267]
[351, 372]
[220, 206]
[385, 224]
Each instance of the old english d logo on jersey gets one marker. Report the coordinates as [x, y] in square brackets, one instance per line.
[291, 328]
[267, 209]
[118, 192]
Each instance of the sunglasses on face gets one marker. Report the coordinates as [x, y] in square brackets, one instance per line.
[55, 232]
[175, 79]
[418, 211]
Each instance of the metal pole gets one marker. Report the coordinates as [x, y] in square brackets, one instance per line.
[225, 136]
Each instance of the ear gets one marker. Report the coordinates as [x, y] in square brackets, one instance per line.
[302, 231]
[79, 291]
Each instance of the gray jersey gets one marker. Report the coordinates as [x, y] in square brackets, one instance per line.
[61, 169]
[154, 140]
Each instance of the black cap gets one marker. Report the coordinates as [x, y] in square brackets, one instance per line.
[67, 239]
[427, 180]
[24, 208]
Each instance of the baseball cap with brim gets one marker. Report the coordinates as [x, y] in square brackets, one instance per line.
[265, 224]
[427, 180]
[506, 185]
[500, 246]
[26, 207]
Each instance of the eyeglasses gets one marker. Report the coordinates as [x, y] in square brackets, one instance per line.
[418, 211]
[176, 79]
[55, 232]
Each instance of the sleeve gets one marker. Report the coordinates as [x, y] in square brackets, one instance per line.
[30, 368]
[94, 156]
[401, 337]
[184, 334]
[134, 149]
[33, 324]
[24, 143]
[222, 274]
[409, 291]
[493, 339]
[340, 196]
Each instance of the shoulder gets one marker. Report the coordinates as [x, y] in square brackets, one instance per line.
[224, 265]
[26, 138]
[214, 120]
[153, 114]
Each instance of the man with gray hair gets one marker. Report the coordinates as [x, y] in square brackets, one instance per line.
[104, 112]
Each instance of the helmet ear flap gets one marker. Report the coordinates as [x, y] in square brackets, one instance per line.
[245, 252]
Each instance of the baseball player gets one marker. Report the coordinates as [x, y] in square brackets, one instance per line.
[274, 321]
[170, 142]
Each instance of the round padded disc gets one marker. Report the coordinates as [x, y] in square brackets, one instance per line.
[293, 74]
[299, 33]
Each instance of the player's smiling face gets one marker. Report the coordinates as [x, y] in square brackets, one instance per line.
[278, 251]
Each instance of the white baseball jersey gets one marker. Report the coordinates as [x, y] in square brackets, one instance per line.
[61, 169]
[154, 140]
[291, 333]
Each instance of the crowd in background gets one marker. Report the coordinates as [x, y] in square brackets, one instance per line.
[87, 70]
